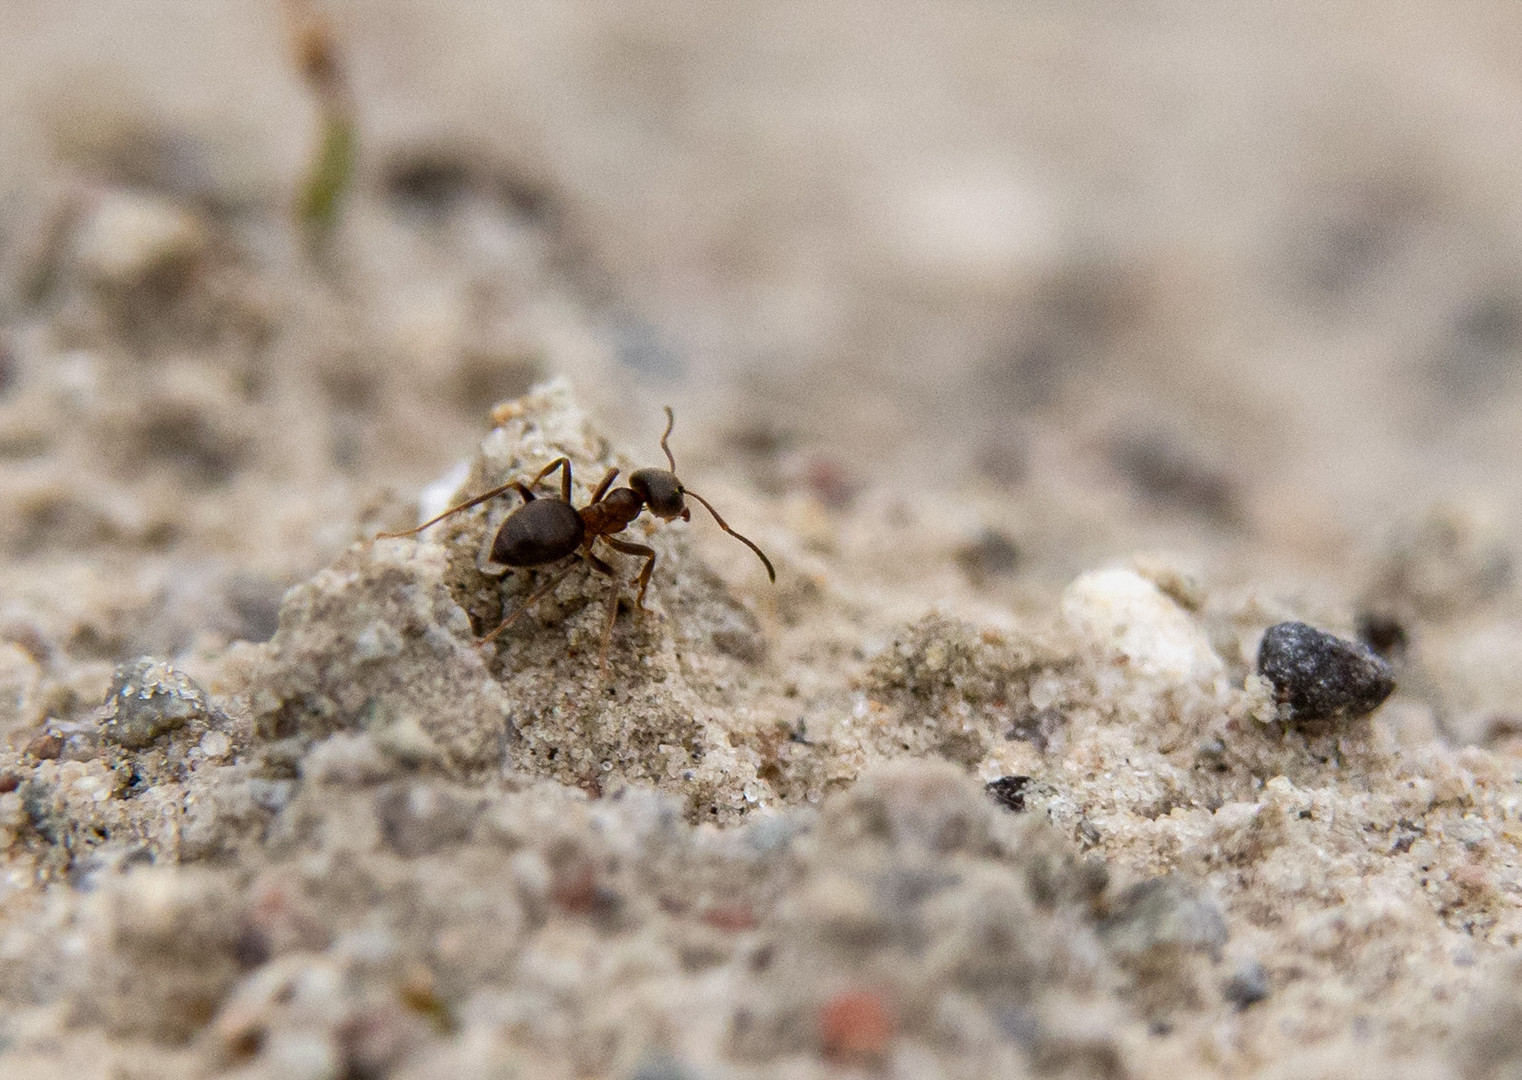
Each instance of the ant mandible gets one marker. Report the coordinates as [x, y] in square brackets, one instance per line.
[546, 530]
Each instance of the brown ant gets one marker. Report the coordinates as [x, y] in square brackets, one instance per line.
[547, 530]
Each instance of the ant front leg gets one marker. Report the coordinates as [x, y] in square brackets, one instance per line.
[648, 554]
[602, 488]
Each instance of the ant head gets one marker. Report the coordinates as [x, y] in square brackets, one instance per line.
[667, 498]
[660, 488]
[662, 493]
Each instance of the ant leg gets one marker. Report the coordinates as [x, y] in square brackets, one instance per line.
[538, 595]
[602, 488]
[647, 553]
[492, 494]
[607, 628]
[602, 567]
[564, 465]
[599, 565]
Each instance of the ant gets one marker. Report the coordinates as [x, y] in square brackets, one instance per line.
[547, 530]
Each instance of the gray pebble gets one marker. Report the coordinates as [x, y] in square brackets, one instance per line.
[420, 819]
[1248, 984]
[1164, 913]
[378, 641]
[149, 699]
[271, 795]
[1320, 677]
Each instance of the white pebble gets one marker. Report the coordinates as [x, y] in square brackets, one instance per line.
[216, 744]
[1121, 611]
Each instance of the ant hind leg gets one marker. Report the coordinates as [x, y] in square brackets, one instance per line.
[537, 595]
[492, 494]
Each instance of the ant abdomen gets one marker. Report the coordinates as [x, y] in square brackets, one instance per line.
[538, 532]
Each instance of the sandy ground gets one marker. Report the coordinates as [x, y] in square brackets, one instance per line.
[1050, 352]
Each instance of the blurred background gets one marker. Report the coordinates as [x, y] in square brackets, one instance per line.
[1061, 278]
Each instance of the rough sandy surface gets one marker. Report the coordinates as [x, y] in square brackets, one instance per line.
[1045, 406]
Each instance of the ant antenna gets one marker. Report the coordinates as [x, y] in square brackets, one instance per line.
[770, 572]
[670, 423]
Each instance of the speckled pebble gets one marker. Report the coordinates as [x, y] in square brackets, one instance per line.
[149, 699]
[1009, 791]
[1317, 676]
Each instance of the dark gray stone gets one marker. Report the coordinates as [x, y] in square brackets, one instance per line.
[1319, 677]
[1248, 984]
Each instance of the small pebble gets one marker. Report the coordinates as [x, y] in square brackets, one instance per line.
[1320, 677]
[993, 554]
[216, 744]
[149, 699]
[1248, 984]
[1164, 913]
[855, 1027]
[1121, 611]
[125, 238]
[1384, 634]
[1009, 791]
[45, 747]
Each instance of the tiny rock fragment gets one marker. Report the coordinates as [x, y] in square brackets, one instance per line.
[149, 699]
[1320, 677]
[45, 747]
[855, 1027]
[127, 237]
[1384, 634]
[731, 918]
[993, 554]
[1247, 985]
[1009, 791]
